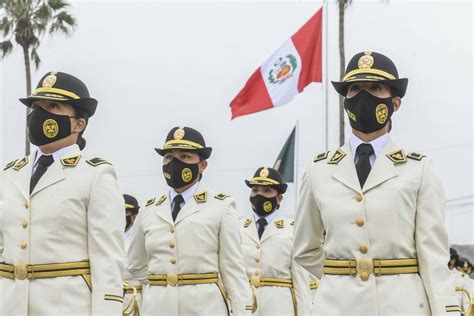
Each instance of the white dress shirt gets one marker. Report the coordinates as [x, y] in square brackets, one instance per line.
[186, 194]
[56, 155]
[377, 145]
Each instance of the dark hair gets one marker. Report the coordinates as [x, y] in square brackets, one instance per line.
[81, 141]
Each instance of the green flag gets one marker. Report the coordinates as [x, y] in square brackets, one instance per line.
[285, 163]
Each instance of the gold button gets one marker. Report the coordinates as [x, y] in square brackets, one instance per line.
[258, 246]
[364, 276]
[24, 224]
[171, 245]
[173, 261]
[257, 259]
[363, 248]
[23, 245]
[358, 197]
[26, 205]
[172, 230]
[360, 222]
[257, 272]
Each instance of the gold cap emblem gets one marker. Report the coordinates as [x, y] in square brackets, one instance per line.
[50, 128]
[179, 133]
[381, 113]
[366, 61]
[264, 173]
[50, 80]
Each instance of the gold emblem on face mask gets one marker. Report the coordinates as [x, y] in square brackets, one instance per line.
[50, 80]
[381, 113]
[264, 173]
[50, 128]
[366, 61]
[178, 134]
[186, 175]
[351, 115]
[267, 206]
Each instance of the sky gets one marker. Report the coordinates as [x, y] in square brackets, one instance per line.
[155, 65]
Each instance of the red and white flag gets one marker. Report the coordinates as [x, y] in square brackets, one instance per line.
[285, 74]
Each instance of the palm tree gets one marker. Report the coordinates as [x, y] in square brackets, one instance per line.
[23, 22]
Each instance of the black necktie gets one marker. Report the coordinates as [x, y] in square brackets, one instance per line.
[178, 199]
[43, 163]
[262, 222]
[363, 164]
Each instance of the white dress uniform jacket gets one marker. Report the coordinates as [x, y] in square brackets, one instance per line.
[74, 214]
[398, 214]
[204, 239]
[270, 258]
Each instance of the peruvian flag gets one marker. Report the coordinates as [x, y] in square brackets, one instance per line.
[285, 74]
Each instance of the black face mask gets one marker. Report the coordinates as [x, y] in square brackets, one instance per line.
[367, 113]
[45, 127]
[179, 174]
[264, 206]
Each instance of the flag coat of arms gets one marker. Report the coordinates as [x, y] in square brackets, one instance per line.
[286, 73]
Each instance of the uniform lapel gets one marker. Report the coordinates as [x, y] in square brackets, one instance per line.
[251, 230]
[22, 179]
[345, 171]
[383, 168]
[55, 172]
[191, 207]
[272, 228]
[164, 211]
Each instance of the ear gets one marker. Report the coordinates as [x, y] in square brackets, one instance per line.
[397, 102]
[79, 125]
[202, 166]
[279, 198]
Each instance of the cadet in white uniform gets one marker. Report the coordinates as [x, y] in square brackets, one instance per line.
[186, 243]
[382, 210]
[267, 244]
[62, 215]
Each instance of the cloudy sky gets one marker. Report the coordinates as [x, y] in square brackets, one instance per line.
[154, 65]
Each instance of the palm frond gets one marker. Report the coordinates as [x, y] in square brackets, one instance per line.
[6, 48]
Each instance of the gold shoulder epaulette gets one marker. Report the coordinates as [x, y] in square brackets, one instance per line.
[70, 161]
[221, 196]
[200, 197]
[397, 157]
[160, 200]
[10, 164]
[21, 163]
[94, 162]
[247, 222]
[416, 156]
[150, 202]
[321, 156]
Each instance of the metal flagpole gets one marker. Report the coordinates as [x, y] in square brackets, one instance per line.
[297, 147]
[326, 71]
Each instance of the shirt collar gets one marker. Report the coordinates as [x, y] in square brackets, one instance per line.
[186, 194]
[56, 155]
[269, 217]
[377, 144]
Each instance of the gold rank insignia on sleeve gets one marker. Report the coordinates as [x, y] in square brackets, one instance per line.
[150, 202]
[337, 157]
[160, 200]
[397, 157]
[70, 161]
[94, 162]
[201, 197]
[21, 163]
[321, 156]
[415, 156]
[10, 164]
[247, 222]
[279, 224]
[221, 196]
